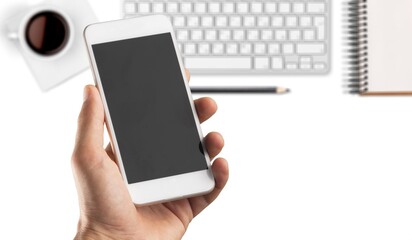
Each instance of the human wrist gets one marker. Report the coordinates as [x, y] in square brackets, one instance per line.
[91, 235]
[90, 230]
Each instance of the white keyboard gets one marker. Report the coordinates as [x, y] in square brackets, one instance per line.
[241, 37]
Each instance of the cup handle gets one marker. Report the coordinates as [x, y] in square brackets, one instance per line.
[13, 36]
[13, 26]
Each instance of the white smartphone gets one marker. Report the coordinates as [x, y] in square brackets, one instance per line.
[150, 113]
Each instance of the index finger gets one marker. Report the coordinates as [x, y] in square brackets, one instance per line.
[187, 74]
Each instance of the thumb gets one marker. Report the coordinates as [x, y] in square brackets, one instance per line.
[91, 122]
[98, 180]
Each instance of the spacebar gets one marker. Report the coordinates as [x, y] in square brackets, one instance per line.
[218, 63]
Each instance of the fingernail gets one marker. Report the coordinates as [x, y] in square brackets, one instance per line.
[86, 94]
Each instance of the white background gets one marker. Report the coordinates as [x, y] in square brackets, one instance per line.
[314, 164]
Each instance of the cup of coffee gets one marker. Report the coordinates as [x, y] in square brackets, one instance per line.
[46, 32]
[50, 39]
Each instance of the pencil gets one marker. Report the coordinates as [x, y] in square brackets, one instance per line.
[267, 90]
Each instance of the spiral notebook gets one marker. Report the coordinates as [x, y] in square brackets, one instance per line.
[379, 34]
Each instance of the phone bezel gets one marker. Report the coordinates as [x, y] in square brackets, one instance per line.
[168, 188]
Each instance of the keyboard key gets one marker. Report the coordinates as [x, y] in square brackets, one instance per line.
[281, 35]
[207, 21]
[253, 35]
[274, 48]
[270, 7]
[291, 59]
[143, 8]
[158, 7]
[221, 21]
[316, 7]
[277, 21]
[225, 35]
[130, 8]
[172, 7]
[211, 35]
[305, 66]
[219, 63]
[305, 59]
[197, 35]
[200, 7]
[319, 66]
[245, 48]
[235, 21]
[261, 62]
[190, 49]
[238, 35]
[218, 48]
[214, 7]
[242, 7]
[294, 35]
[291, 21]
[320, 23]
[291, 66]
[305, 21]
[186, 7]
[232, 48]
[193, 21]
[249, 21]
[182, 35]
[260, 48]
[179, 21]
[256, 7]
[267, 35]
[308, 35]
[310, 48]
[277, 63]
[263, 21]
[228, 7]
[204, 48]
[298, 8]
[288, 49]
[284, 7]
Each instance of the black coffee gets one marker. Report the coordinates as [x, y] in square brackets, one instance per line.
[47, 33]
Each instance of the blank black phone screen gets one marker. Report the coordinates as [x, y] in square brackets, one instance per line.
[149, 107]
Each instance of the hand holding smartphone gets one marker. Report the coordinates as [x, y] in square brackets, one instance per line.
[150, 114]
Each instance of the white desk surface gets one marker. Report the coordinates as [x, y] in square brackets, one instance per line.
[315, 164]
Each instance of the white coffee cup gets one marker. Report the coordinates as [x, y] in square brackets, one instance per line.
[45, 32]
[54, 49]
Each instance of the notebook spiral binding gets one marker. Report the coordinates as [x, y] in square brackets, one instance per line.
[356, 53]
